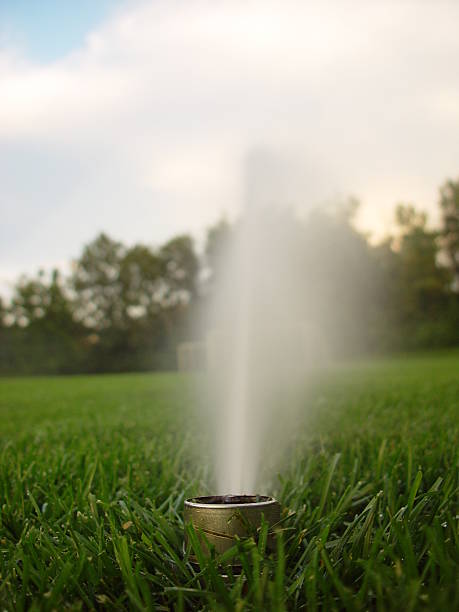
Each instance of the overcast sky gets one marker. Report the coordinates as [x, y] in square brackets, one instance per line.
[137, 118]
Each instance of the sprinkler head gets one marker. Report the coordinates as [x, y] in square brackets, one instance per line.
[222, 517]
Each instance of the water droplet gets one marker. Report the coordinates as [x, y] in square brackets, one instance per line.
[445, 524]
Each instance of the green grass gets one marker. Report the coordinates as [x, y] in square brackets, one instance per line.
[94, 472]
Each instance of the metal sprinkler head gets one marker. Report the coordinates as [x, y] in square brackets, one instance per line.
[220, 518]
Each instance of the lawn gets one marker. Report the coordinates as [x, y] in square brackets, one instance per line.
[94, 472]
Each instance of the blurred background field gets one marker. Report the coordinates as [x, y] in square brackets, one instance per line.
[94, 471]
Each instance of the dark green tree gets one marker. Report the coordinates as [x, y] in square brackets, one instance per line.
[419, 284]
[133, 301]
[96, 284]
[449, 205]
[180, 266]
[43, 335]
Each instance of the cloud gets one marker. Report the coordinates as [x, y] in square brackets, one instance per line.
[143, 132]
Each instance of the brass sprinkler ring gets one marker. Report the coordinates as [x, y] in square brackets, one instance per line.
[220, 518]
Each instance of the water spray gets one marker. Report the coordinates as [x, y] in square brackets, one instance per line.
[252, 329]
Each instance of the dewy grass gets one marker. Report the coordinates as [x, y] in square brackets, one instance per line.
[94, 472]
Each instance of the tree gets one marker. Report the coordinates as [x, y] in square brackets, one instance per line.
[449, 204]
[140, 282]
[180, 266]
[144, 335]
[344, 283]
[423, 281]
[96, 284]
[179, 271]
[133, 300]
[114, 291]
[419, 282]
[43, 336]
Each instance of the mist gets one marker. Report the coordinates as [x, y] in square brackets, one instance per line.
[272, 322]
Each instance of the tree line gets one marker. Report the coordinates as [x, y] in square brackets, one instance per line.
[127, 308]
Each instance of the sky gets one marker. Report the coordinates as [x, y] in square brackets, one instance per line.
[140, 118]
